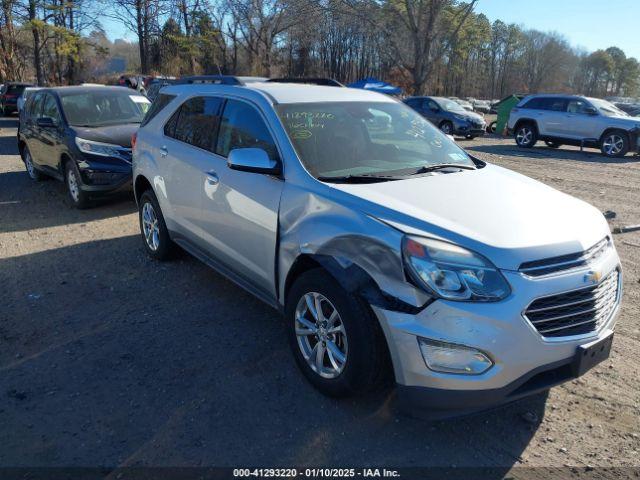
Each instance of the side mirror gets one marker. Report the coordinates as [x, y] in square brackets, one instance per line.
[591, 111]
[254, 160]
[46, 122]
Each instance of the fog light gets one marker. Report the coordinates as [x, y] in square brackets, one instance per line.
[451, 358]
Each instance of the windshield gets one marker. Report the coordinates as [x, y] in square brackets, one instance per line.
[102, 108]
[338, 139]
[451, 106]
[607, 109]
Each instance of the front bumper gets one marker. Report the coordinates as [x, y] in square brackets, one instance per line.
[105, 176]
[465, 129]
[525, 362]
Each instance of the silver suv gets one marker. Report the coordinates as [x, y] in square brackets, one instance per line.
[380, 240]
[574, 120]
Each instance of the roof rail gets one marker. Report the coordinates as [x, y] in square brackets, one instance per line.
[327, 82]
[215, 79]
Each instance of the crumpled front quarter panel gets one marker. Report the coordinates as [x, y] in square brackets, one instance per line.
[311, 223]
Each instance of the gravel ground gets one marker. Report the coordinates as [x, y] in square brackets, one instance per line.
[108, 358]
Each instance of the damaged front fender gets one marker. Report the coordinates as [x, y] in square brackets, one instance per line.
[362, 253]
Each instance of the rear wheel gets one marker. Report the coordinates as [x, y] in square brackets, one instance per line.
[153, 228]
[526, 135]
[614, 144]
[79, 198]
[34, 174]
[335, 339]
[492, 127]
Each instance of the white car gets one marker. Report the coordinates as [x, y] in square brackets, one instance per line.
[380, 240]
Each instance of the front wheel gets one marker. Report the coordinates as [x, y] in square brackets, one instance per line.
[79, 198]
[336, 341]
[447, 128]
[614, 144]
[526, 136]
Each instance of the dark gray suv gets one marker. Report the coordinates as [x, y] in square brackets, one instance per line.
[449, 116]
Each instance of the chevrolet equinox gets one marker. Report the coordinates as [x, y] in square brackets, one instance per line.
[380, 240]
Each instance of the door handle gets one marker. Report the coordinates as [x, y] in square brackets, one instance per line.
[164, 152]
[212, 178]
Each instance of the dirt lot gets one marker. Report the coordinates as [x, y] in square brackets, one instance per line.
[107, 358]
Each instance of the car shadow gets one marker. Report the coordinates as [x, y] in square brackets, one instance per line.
[26, 205]
[587, 155]
[110, 358]
[8, 145]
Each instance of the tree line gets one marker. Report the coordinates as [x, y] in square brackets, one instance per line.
[441, 47]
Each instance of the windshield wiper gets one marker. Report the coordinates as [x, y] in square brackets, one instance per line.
[358, 179]
[442, 166]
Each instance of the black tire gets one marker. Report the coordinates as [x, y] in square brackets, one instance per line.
[33, 173]
[526, 135]
[366, 364]
[165, 245]
[492, 127]
[470, 137]
[553, 144]
[446, 127]
[614, 143]
[73, 181]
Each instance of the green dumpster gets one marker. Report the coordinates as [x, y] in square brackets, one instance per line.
[504, 107]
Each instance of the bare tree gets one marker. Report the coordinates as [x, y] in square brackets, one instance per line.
[141, 18]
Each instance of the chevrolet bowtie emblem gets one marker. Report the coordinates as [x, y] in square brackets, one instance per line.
[593, 277]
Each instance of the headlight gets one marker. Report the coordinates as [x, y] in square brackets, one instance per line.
[452, 272]
[98, 148]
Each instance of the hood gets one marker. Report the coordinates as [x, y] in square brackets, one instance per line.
[629, 122]
[501, 214]
[114, 134]
[473, 116]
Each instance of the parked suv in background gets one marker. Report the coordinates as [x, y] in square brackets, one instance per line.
[449, 116]
[82, 136]
[574, 120]
[9, 97]
[380, 240]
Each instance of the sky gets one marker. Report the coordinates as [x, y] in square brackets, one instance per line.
[587, 24]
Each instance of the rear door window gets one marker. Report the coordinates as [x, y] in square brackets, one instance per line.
[555, 104]
[243, 127]
[535, 103]
[196, 122]
[414, 102]
[15, 90]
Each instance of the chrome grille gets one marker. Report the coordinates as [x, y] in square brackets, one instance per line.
[576, 312]
[538, 268]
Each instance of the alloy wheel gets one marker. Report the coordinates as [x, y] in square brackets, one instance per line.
[150, 227]
[29, 164]
[446, 128]
[321, 335]
[613, 144]
[72, 183]
[524, 136]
